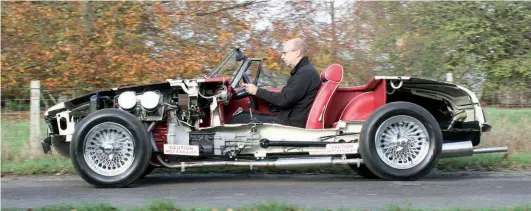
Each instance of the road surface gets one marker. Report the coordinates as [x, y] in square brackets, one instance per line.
[437, 190]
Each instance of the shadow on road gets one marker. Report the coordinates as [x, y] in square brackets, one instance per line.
[157, 179]
[173, 178]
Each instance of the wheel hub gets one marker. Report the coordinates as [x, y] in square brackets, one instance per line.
[108, 148]
[402, 142]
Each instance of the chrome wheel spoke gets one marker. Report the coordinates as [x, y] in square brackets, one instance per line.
[388, 147]
[402, 142]
[109, 149]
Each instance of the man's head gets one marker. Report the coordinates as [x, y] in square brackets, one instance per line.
[293, 51]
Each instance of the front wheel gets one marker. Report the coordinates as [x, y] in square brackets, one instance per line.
[400, 141]
[110, 148]
[148, 171]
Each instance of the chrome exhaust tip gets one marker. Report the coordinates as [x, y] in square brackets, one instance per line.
[465, 149]
[490, 150]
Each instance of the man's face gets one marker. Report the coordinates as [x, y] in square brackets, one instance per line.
[290, 54]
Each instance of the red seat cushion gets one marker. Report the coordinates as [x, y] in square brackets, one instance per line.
[331, 78]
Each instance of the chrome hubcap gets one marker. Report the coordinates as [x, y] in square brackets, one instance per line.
[109, 149]
[402, 142]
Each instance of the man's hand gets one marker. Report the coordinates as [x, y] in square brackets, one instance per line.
[251, 88]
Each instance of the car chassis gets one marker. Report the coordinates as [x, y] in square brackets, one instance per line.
[394, 128]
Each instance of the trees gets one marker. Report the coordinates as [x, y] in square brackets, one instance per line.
[479, 41]
[107, 44]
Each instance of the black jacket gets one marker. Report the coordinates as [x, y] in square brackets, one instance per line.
[297, 96]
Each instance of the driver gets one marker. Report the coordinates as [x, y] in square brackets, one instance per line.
[296, 98]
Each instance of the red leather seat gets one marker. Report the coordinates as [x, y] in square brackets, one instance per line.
[331, 78]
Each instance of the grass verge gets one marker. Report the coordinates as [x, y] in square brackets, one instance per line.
[44, 166]
[489, 162]
[166, 205]
[482, 162]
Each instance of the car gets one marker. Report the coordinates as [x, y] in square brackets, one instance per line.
[391, 128]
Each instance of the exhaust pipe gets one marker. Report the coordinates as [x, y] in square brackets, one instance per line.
[490, 150]
[458, 116]
[449, 150]
[465, 148]
[280, 163]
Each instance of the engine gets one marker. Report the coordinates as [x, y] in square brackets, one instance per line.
[146, 106]
[190, 102]
[155, 105]
[180, 109]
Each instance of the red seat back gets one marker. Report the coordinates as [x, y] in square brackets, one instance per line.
[331, 79]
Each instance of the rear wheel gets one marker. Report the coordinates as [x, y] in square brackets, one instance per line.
[363, 171]
[400, 141]
[110, 148]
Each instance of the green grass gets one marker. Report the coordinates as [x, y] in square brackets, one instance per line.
[510, 127]
[496, 161]
[44, 166]
[15, 136]
[271, 206]
[514, 115]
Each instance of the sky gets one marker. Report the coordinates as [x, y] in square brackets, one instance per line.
[274, 9]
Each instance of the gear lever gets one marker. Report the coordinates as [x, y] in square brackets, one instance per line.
[253, 120]
[250, 106]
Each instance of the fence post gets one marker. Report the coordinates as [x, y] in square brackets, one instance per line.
[450, 77]
[35, 129]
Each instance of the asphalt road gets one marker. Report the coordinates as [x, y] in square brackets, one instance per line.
[437, 190]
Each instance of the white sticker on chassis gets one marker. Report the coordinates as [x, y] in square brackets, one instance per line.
[177, 149]
[338, 149]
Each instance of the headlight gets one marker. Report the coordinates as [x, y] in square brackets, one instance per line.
[150, 100]
[127, 100]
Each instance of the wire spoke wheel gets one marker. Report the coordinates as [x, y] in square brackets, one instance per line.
[402, 142]
[109, 149]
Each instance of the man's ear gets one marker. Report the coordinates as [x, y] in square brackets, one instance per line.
[300, 53]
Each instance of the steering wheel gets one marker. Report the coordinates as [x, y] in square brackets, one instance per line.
[242, 93]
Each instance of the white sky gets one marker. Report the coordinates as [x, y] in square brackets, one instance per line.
[275, 6]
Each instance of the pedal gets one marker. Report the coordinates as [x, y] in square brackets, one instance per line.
[238, 111]
[255, 121]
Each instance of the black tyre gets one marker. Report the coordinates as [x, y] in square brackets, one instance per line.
[149, 169]
[363, 171]
[400, 141]
[110, 148]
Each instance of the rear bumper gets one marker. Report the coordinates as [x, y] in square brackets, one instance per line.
[46, 144]
[58, 144]
[486, 127]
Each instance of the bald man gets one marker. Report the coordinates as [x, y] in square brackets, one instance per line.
[296, 98]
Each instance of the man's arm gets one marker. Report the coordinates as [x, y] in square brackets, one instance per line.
[289, 94]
